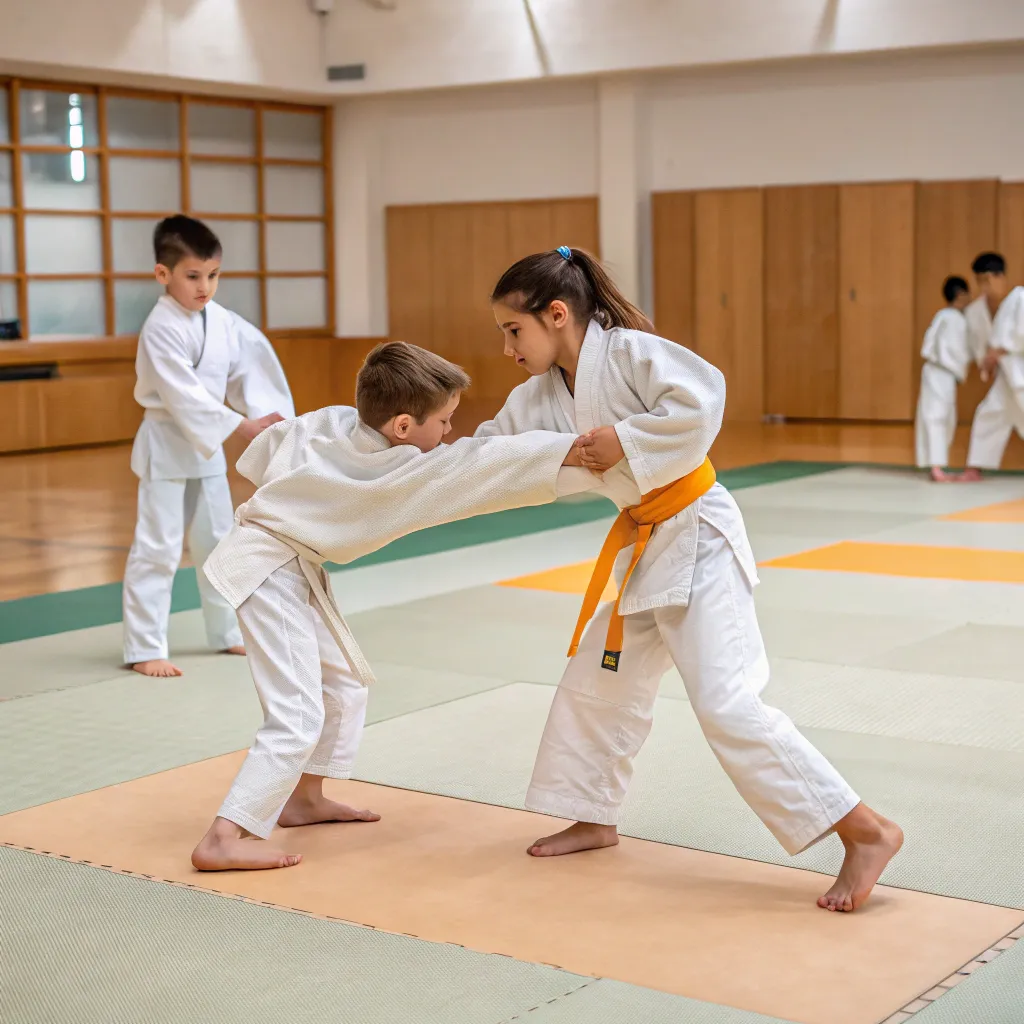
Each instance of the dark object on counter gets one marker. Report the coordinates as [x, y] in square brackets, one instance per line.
[10, 330]
[43, 371]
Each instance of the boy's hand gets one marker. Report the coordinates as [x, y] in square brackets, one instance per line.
[600, 449]
[573, 458]
[991, 361]
[248, 429]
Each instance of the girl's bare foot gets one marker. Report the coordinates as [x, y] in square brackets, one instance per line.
[158, 667]
[315, 809]
[234, 650]
[584, 835]
[940, 476]
[227, 847]
[970, 476]
[871, 841]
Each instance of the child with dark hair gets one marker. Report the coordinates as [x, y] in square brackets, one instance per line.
[946, 356]
[648, 411]
[998, 414]
[193, 355]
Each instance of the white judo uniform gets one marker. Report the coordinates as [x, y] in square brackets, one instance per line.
[991, 426]
[1002, 411]
[188, 364]
[688, 602]
[946, 354]
[333, 489]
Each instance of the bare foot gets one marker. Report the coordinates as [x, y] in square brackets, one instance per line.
[315, 809]
[584, 835]
[158, 667]
[226, 847]
[871, 841]
[970, 476]
[940, 476]
[234, 650]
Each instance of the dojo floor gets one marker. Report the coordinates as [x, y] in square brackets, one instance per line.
[893, 613]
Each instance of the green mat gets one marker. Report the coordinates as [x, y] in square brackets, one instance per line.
[993, 995]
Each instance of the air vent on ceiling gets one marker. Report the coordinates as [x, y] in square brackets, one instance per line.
[346, 72]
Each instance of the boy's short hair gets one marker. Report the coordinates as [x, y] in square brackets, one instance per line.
[952, 287]
[989, 263]
[176, 238]
[401, 378]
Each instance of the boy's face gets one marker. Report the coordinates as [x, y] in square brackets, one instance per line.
[962, 301]
[992, 286]
[404, 429]
[192, 283]
[529, 339]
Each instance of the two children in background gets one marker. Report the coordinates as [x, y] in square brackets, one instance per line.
[983, 331]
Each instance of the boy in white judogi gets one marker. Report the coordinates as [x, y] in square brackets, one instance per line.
[334, 485]
[192, 355]
[946, 354]
[649, 410]
[994, 418]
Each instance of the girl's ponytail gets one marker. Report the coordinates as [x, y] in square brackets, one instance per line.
[575, 277]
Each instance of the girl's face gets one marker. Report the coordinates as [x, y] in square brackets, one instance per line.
[532, 341]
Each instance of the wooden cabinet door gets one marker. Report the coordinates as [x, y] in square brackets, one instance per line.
[728, 294]
[801, 315]
[878, 374]
[672, 241]
[956, 220]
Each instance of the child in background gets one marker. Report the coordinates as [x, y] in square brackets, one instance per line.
[649, 410]
[946, 356]
[334, 485]
[192, 355]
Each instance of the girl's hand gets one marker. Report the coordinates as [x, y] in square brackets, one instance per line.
[600, 449]
[573, 458]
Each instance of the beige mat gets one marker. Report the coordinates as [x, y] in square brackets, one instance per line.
[710, 927]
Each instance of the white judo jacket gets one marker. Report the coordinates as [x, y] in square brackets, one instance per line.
[666, 404]
[188, 364]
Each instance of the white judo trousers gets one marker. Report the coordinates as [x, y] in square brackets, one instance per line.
[935, 424]
[166, 508]
[599, 719]
[314, 706]
[997, 416]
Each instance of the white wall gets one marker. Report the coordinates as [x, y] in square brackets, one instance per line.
[934, 116]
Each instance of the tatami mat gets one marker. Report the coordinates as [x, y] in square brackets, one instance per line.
[991, 652]
[994, 995]
[86, 946]
[961, 807]
[58, 744]
[1001, 512]
[708, 927]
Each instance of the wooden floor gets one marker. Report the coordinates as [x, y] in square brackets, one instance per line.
[67, 518]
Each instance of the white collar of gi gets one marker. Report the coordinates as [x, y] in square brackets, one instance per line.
[590, 352]
[370, 439]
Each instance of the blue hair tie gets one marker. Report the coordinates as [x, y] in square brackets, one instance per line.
[565, 252]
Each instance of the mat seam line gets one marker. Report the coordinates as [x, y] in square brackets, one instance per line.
[548, 1002]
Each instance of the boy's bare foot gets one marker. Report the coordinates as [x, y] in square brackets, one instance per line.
[315, 809]
[227, 847]
[158, 667]
[234, 650]
[871, 841]
[584, 835]
[970, 476]
[940, 476]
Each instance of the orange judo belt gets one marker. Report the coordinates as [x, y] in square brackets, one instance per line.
[656, 507]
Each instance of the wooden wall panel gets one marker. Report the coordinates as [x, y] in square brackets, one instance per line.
[728, 294]
[801, 314]
[672, 237]
[1011, 229]
[466, 247]
[878, 372]
[955, 221]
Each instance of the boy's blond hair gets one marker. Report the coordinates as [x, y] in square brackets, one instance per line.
[401, 378]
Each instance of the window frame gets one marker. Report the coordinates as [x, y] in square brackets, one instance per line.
[103, 153]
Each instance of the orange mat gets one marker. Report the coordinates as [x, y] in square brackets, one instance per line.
[1003, 512]
[920, 560]
[716, 928]
[568, 579]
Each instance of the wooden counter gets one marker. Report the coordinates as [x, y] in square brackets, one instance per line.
[90, 400]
